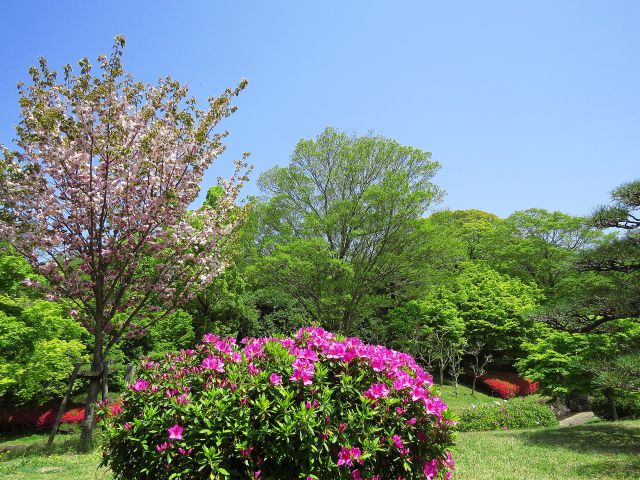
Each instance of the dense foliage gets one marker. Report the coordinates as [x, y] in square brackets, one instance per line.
[96, 197]
[508, 384]
[312, 406]
[507, 415]
[39, 340]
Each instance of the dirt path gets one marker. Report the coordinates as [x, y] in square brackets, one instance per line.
[576, 419]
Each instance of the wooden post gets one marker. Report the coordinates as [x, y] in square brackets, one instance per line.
[131, 371]
[105, 381]
[63, 405]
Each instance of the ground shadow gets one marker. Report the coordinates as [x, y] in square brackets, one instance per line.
[40, 449]
[607, 437]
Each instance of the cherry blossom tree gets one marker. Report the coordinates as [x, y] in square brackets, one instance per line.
[96, 195]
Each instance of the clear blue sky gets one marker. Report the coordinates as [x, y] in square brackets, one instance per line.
[525, 104]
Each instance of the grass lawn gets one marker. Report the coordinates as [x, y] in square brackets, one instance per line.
[464, 399]
[592, 451]
[61, 463]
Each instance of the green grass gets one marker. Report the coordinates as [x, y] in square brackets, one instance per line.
[464, 398]
[604, 450]
[62, 462]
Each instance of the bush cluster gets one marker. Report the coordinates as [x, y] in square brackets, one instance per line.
[314, 406]
[506, 416]
[508, 384]
[34, 419]
[627, 406]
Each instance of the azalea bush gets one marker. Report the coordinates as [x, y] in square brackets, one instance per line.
[315, 406]
[508, 384]
[517, 413]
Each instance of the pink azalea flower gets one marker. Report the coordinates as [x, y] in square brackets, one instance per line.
[347, 456]
[397, 441]
[140, 385]
[377, 390]
[209, 338]
[213, 363]
[430, 469]
[162, 447]
[275, 379]
[175, 432]
[253, 370]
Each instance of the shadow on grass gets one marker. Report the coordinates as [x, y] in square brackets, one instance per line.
[61, 446]
[620, 442]
[611, 438]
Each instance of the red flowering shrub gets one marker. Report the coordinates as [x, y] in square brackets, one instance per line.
[314, 406]
[508, 384]
[39, 418]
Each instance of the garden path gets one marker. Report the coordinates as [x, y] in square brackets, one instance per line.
[576, 419]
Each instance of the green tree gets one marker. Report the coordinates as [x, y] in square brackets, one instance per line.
[567, 363]
[541, 246]
[494, 308]
[362, 197]
[606, 289]
[39, 340]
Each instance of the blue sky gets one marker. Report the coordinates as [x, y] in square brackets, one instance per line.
[525, 104]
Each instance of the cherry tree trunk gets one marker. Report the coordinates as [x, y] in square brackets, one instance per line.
[86, 437]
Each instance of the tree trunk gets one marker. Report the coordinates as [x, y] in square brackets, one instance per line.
[86, 437]
[613, 410]
[473, 384]
[105, 382]
[63, 405]
[455, 385]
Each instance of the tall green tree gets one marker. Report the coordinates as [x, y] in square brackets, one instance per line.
[361, 196]
[495, 308]
[540, 246]
[608, 286]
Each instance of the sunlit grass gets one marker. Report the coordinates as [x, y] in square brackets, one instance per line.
[604, 450]
[61, 462]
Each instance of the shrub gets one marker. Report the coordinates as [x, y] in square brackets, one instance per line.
[313, 406]
[35, 419]
[507, 415]
[627, 406]
[508, 384]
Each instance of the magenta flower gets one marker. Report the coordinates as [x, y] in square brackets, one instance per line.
[377, 390]
[213, 363]
[275, 379]
[302, 370]
[140, 385]
[209, 338]
[162, 447]
[346, 456]
[397, 442]
[245, 452]
[175, 432]
[430, 469]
